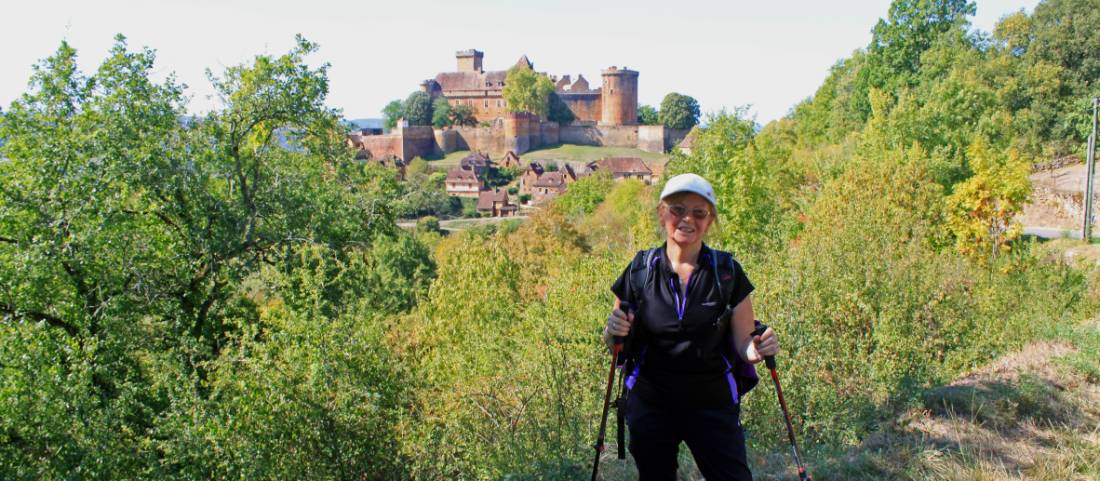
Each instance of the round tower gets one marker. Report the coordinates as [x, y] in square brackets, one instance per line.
[619, 96]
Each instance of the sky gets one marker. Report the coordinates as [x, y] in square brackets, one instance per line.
[726, 53]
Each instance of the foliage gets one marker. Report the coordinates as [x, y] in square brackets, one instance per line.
[418, 109]
[582, 197]
[982, 208]
[559, 112]
[679, 111]
[527, 91]
[205, 300]
[428, 223]
[126, 239]
[441, 113]
[724, 154]
[463, 116]
[424, 194]
[391, 113]
[647, 115]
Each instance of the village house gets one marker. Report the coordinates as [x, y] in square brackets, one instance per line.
[625, 168]
[548, 185]
[463, 183]
[509, 160]
[688, 143]
[478, 162]
[495, 203]
[529, 176]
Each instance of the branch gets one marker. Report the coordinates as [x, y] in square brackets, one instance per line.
[41, 317]
[8, 240]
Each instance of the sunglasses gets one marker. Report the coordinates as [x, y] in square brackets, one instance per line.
[680, 211]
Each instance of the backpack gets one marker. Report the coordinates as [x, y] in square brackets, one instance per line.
[642, 274]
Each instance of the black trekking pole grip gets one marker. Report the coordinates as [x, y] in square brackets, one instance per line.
[627, 307]
[759, 331]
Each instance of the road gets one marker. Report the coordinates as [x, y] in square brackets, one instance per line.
[1056, 233]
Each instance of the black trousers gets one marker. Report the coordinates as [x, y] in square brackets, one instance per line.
[714, 436]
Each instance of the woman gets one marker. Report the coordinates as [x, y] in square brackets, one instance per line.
[684, 385]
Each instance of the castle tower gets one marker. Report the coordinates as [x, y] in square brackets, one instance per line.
[619, 96]
[469, 60]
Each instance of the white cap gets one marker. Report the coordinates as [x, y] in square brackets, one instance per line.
[690, 183]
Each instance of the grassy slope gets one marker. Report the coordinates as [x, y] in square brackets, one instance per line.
[1034, 415]
[587, 153]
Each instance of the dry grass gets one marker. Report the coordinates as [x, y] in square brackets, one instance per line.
[1031, 415]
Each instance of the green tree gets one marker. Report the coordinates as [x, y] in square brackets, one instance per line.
[679, 111]
[724, 154]
[441, 113]
[982, 209]
[559, 111]
[392, 113]
[527, 91]
[418, 109]
[910, 28]
[647, 115]
[126, 243]
[463, 116]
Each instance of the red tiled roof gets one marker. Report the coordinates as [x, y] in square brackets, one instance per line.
[460, 175]
[624, 166]
[475, 159]
[536, 167]
[486, 198]
[552, 180]
[450, 81]
[524, 62]
[581, 85]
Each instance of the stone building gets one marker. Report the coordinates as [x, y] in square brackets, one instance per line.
[614, 103]
[604, 116]
[495, 203]
[625, 168]
[463, 183]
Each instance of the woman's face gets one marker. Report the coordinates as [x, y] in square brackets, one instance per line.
[680, 215]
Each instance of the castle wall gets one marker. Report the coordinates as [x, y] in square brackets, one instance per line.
[382, 146]
[418, 141]
[446, 140]
[586, 107]
[486, 139]
[673, 137]
[651, 138]
[619, 135]
[550, 133]
[579, 134]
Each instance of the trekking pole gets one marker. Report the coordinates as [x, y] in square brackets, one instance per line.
[770, 362]
[616, 349]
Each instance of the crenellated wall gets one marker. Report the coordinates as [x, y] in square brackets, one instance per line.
[518, 133]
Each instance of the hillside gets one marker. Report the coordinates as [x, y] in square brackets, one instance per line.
[1033, 414]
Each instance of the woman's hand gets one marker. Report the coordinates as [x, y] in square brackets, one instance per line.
[618, 324]
[766, 344]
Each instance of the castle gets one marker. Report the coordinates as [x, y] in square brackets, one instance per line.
[614, 103]
[607, 116]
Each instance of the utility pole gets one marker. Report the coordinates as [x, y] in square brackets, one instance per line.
[1090, 175]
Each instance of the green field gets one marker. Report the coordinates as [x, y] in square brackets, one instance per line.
[570, 153]
[588, 153]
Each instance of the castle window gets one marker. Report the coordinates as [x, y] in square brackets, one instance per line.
[486, 104]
